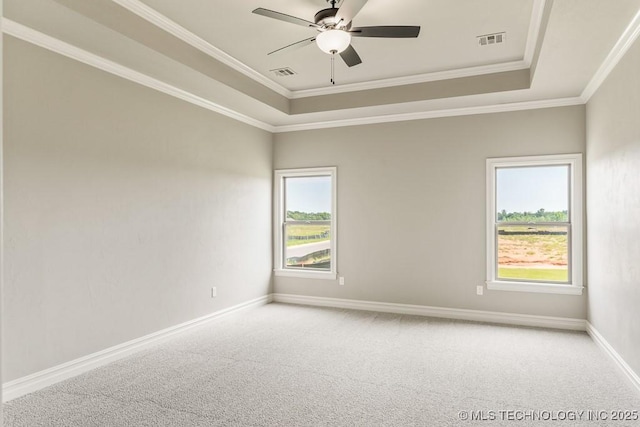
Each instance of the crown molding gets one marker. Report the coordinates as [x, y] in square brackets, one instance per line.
[534, 31]
[624, 43]
[161, 21]
[453, 112]
[42, 40]
[37, 38]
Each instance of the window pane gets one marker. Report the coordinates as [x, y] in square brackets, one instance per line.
[533, 253]
[308, 245]
[307, 232]
[532, 194]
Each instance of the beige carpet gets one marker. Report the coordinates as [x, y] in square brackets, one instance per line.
[302, 366]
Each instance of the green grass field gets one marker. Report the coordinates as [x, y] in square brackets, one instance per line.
[306, 230]
[546, 274]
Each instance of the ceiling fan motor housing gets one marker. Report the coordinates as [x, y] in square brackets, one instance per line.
[327, 18]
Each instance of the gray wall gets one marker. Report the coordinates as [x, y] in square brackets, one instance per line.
[123, 206]
[613, 179]
[411, 206]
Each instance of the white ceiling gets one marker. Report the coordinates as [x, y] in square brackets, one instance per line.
[568, 45]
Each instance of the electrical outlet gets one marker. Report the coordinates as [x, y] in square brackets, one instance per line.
[480, 290]
[214, 292]
[341, 281]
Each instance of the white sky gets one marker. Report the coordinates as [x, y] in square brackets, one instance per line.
[308, 194]
[532, 188]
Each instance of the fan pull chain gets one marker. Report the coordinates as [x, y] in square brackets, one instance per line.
[333, 57]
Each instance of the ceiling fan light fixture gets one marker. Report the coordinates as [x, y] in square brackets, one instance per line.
[333, 41]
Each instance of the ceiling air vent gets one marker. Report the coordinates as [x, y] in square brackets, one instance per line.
[283, 72]
[495, 38]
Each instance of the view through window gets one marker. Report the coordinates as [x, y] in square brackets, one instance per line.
[533, 229]
[307, 222]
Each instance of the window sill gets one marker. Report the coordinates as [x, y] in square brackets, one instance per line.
[545, 288]
[322, 275]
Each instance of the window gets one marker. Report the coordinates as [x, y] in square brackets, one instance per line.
[305, 223]
[534, 224]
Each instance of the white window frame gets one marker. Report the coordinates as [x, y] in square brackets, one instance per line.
[576, 247]
[279, 219]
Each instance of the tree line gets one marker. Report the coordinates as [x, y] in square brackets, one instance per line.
[540, 216]
[308, 216]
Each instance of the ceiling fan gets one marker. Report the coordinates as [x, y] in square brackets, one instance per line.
[335, 30]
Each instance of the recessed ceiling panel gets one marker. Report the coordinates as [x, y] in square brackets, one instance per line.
[447, 41]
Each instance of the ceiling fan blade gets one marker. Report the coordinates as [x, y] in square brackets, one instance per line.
[388, 31]
[301, 43]
[284, 17]
[348, 10]
[350, 56]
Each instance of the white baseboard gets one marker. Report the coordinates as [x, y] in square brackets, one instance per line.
[613, 354]
[447, 313]
[39, 380]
